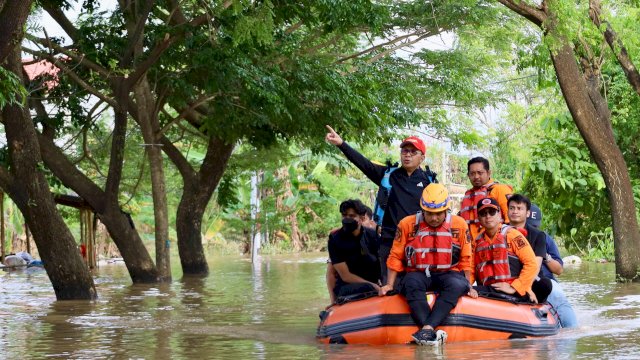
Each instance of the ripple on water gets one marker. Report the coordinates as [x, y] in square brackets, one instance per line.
[269, 310]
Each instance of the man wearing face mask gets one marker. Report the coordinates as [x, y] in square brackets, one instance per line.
[353, 251]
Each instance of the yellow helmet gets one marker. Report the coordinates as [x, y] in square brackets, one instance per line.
[435, 198]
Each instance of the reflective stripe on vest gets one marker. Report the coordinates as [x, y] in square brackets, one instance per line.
[434, 249]
[494, 261]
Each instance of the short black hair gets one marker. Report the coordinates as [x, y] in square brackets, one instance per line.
[369, 212]
[520, 199]
[354, 204]
[478, 159]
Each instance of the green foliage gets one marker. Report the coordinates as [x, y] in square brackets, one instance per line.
[566, 184]
[272, 74]
[599, 246]
[11, 90]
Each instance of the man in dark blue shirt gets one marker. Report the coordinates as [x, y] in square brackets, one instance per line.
[553, 265]
[353, 251]
[407, 184]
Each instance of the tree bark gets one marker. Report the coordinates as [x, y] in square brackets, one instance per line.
[67, 272]
[119, 224]
[13, 15]
[597, 133]
[148, 121]
[197, 191]
[592, 119]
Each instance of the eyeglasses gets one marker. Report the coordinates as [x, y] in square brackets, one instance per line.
[488, 212]
[412, 152]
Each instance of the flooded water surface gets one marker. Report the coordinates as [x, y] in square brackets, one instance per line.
[270, 310]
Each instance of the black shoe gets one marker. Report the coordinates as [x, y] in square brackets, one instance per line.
[429, 337]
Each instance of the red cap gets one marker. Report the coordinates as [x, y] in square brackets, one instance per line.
[488, 203]
[415, 141]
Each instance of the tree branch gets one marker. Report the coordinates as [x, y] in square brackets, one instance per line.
[55, 61]
[179, 161]
[62, 168]
[383, 45]
[80, 59]
[533, 14]
[403, 44]
[616, 45]
[134, 38]
[58, 15]
[200, 101]
[158, 50]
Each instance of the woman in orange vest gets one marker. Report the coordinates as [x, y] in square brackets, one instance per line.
[434, 248]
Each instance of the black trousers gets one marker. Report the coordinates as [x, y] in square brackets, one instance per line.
[451, 285]
[344, 289]
[383, 255]
[541, 287]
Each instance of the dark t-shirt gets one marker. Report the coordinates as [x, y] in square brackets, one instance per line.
[406, 190]
[538, 241]
[344, 247]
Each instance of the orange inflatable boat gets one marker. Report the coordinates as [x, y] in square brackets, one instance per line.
[385, 320]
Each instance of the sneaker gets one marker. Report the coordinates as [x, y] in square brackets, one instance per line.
[429, 337]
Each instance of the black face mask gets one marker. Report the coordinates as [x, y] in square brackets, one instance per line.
[349, 225]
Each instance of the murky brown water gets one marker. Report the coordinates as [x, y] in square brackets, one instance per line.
[270, 311]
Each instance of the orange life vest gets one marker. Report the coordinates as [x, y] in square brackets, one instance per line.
[470, 200]
[494, 262]
[433, 249]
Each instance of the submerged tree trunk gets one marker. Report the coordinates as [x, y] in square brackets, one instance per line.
[119, 224]
[198, 188]
[30, 191]
[148, 121]
[597, 133]
[590, 113]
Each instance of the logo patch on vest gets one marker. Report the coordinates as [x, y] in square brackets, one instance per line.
[520, 242]
[420, 184]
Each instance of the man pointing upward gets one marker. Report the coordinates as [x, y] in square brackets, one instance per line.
[406, 184]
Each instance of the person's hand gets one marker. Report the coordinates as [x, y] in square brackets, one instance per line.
[473, 293]
[333, 137]
[504, 287]
[384, 289]
[532, 296]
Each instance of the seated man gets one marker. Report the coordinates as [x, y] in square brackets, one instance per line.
[434, 248]
[503, 258]
[519, 209]
[332, 275]
[553, 265]
[353, 251]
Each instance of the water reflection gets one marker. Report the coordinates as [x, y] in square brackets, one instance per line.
[268, 310]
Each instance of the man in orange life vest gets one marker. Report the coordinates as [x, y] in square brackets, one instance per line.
[479, 174]
[503, 258]
[434, 248]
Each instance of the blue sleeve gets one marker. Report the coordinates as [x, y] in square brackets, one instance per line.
[552, 249]
[373, 171]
